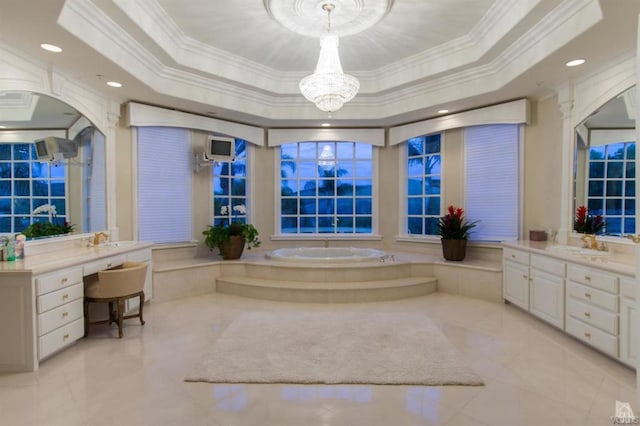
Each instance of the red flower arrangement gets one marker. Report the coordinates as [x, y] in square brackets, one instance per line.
[586, 223]
[453, 226]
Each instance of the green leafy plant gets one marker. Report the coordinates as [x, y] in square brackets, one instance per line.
[220, 233]
[454, 226]
[49, 228]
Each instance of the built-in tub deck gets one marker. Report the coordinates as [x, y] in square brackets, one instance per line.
[398, 275]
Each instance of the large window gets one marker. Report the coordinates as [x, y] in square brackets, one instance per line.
[611, 188]
[165, 167]
[230, 187]
[492, 180]
[26, 184]
[326, 188]
[423, 184]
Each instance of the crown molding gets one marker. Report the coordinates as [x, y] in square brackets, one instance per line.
[392, 96]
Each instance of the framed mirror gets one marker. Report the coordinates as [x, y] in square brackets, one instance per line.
[605, 165]
[69, 187]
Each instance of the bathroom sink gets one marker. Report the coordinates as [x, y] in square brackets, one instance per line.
[577, 251]
[589, 252]
[115, 244]
[566, 249]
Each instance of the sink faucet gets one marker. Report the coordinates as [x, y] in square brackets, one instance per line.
[100, 237]
[589, 242]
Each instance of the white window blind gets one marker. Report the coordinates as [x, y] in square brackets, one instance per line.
[164, 185]
[492, 181]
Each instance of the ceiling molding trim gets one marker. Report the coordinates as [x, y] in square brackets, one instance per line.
[140, 115]
[516, 112]
[277, 137]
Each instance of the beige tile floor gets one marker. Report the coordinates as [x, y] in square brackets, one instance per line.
[535, 375]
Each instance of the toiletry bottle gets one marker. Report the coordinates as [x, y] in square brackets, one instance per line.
[11, 254]
[20, 246]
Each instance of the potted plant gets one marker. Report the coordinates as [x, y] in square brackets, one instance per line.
[454, 233]
[586, 223]
[232, 237]
[49, 228]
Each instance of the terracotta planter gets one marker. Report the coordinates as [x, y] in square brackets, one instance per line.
[233, 248]
[454, 249]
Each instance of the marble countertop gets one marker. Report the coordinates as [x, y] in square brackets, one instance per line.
[68, 257]
[612, 262]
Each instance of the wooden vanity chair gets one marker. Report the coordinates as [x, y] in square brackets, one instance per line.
[114, 286]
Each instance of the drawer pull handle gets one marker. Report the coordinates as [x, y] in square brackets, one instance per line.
[513, 256]
[525, 277]
[65, 314]
[65, 337]
[587, 295]
[65, 296]
[587, 335]
[64, 280]
[587, 278]
[587, 314]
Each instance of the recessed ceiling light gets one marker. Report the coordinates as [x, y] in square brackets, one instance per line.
[443, 111]
[326, 124]
[51, 47]
[114, 84]
[575, 62]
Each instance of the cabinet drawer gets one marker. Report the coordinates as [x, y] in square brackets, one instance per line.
[59, 338]
[592, 296]
[59, 316]
[628, 287]
[594, 337]
[102, 264]
[593, 278]
[60, 297]
[604, 320]
[547, 264]
[57, 280]
[139, 255]
[515, 255]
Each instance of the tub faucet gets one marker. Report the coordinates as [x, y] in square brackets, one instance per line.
[100, 237]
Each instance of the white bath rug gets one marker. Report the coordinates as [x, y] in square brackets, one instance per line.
[313, 347]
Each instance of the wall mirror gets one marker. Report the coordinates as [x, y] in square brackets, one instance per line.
[74, 182]
[605, 165]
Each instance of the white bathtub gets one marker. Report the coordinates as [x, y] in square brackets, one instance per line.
[326, 255]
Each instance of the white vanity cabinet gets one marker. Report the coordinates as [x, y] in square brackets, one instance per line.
[515, 277]
[592, 308]
[59, 309]
[546, 289]
[629, 322]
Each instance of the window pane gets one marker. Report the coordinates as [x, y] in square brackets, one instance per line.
[345, 224]
[307, 169]
[345, 206]
[345, 188]
[415, 147]
[615, 151]
[5, 206]
[614, 225]
[308, 224]
[432, 144]
[40, 170]
[596, 153]
[21, 170]
[614, 207]
[308, 188]
[363, 225]
[596, 205]
[415, 166]
[363, 187]
[629, 225]
[614, 169]
[364, 151]
[596, 188]
[414, 206]
[5, 170]
[5, 151]
[630, 169]
[308, 150]
[20, 206]
[288, 169]
[22, 151]
[57, 172]
[326, 205]
[289, 151]
[414, 225]
[414, 187]
[630, 188]
[432, 206]
[5, 224]
[344, 151]
[363, 206]
[5, 187]
[432, 165]
[614, 188]
[289, 206]
[596, 170]
[629, 206]
[308, 206]
[431, 225]
[325, 224]
[239, 187]
[57, 189]
[289, 225]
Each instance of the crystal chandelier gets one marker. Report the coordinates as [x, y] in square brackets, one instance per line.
[329, 87]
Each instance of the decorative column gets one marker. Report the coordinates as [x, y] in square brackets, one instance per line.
[565, 103]
[113, 118]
